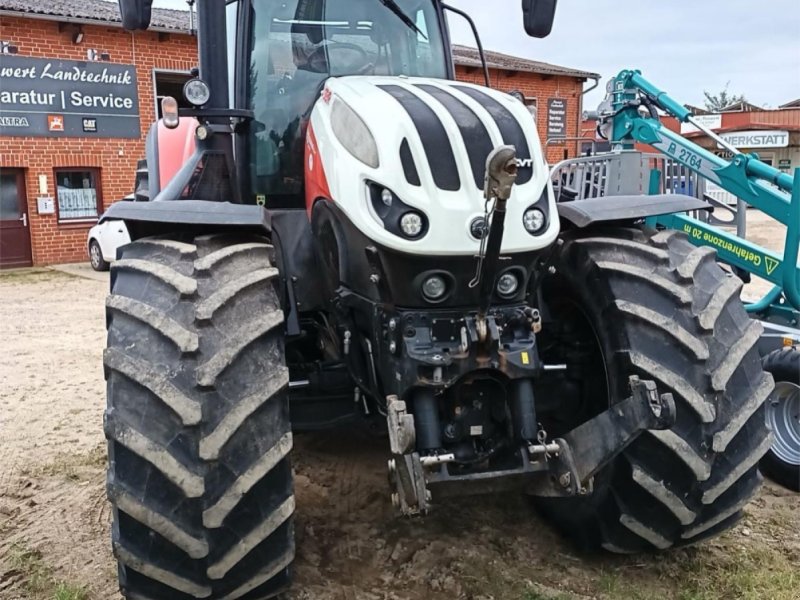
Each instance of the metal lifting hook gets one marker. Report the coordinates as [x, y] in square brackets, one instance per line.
[501, 173]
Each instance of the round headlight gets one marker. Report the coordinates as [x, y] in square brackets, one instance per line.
[508, 284]
[411, 224]
[534, 220]
[478, 228]
[434, 287]
[387, 197]
[197, 92]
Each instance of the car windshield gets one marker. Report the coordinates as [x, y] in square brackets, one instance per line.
[297, 44]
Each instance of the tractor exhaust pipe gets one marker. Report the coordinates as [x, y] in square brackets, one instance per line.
[501, 173]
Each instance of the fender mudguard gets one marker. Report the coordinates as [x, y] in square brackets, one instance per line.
[583, 213]
[149, 218]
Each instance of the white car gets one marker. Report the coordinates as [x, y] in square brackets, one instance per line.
[103, 241]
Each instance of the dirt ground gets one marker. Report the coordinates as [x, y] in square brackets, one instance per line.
[54, 519]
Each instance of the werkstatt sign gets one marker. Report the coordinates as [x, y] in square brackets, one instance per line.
[757, 138]
[66, 98]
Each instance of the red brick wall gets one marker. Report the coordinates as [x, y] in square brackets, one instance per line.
[51, 241]
[542, 87]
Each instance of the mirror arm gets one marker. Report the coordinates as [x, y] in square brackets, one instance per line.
[477, 39]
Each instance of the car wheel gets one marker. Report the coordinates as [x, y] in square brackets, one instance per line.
[96, 257]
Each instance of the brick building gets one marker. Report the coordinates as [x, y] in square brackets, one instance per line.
[555, 92]
[62, 165]
[71, 172]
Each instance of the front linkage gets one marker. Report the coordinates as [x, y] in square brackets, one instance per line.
[561, 468]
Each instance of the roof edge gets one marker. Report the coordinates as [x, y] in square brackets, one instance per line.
[85, 21]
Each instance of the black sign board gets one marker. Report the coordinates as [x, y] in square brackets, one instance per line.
[65, 98]
[556, 118]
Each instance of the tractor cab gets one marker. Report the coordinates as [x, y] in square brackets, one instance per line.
[294, 47]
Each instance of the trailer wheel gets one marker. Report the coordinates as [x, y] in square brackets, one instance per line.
[198, 421]
[782, 462]
[634, 301]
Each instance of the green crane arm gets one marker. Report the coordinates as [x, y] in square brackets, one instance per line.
[775, 193]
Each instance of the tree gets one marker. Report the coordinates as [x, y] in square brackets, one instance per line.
[716, 102]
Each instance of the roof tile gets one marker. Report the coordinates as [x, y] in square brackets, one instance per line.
[469, 57]
[95, 10]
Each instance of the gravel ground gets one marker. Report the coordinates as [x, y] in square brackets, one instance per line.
[54, 519]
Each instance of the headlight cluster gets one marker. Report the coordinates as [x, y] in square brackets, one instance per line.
[397, 217]
[411, 224]
[196, 92]
[534, 220]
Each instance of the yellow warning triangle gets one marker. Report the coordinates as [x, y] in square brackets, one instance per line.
[771, 264]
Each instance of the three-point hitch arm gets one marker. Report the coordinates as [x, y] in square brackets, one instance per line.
[759, 185]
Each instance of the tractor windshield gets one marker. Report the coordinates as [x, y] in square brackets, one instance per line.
[296, 45]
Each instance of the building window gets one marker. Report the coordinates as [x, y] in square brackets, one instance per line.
[78, 194]
[170, 83]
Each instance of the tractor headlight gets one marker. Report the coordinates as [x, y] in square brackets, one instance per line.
[534, 221]
[507, 284]
[434, 287]
[196, 92]
[411, 224]
[353, 134]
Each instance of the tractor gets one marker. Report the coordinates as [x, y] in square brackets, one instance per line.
[352, 238]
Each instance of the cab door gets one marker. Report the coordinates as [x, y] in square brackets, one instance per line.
[15, 236]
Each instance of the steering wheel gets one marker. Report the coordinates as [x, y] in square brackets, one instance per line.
[353, 59]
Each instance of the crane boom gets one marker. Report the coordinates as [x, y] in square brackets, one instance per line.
[775, 193]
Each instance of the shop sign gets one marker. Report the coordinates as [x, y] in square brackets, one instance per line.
[757, 138]
[556, 118]
[708, 121]
[65, 98]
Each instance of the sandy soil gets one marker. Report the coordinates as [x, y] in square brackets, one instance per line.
[350, 544]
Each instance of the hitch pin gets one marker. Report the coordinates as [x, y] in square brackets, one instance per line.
[537, 449]
[439, 459]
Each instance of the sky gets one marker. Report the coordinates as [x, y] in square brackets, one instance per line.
[682, 46]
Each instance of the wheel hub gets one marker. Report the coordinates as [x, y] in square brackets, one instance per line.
[783, 417]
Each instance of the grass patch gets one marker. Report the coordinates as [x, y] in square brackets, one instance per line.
[747, 572]
[40, 582]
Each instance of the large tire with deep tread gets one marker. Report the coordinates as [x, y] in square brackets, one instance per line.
[660, 308]
[198, 421]
[780, 463]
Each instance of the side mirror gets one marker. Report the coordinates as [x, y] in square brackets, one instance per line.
[538, 16]
[135, 13]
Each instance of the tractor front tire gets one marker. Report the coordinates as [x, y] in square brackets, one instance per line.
[655, 306]
[198, 421]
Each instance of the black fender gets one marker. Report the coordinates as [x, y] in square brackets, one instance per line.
[583, 213]
[152, 218]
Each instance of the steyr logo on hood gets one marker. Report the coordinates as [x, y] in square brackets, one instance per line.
[525, 163]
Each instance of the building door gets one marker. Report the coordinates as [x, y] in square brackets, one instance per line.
[15, 233]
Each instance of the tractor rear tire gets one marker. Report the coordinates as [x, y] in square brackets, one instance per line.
[782, 462]
[197, 421]
[656, 306]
